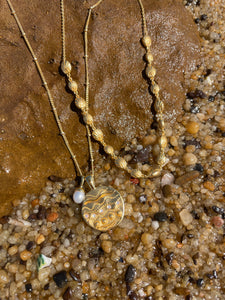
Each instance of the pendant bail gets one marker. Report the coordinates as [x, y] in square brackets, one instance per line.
[90, 181]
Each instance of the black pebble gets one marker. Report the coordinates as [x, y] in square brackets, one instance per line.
[133, 296]
[197, 20]
[75, 275]
[160, 216]
[196, 94]
[211, 98]
[169, 258]
[60, 278]
[32, 217]
[216, 209]
[46, 287]
[30, 245]
[4, 220]
[121, 260]
[190, 235]
[194, 142]
[200, 282]
[165, 277]
[203, 17]
[41, 213]
[215, 274]
[210, 276]
[67, 294]
[188, 297]
[199, 168]
[130, 274]
[28, 287]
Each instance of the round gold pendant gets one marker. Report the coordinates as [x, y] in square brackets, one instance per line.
[103, 208]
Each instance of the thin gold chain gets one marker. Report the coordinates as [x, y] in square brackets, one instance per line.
[97, 134]
[62, 133]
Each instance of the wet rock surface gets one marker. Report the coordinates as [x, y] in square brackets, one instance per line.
[31, 148]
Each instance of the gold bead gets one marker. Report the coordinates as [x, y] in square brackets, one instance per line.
[162, 141]
[121, 163]
[161, 123]
[73, 86]
[162, 159]
[159, 106]
[66, 67]
[146, 41]
[80, 103]
[136, 174]
[150, 71]
[149, 57]
[155, 89]
[109, 149]
[88, 119]
[155, 172]
[97, 135]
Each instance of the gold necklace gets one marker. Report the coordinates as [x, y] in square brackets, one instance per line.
[102, 207]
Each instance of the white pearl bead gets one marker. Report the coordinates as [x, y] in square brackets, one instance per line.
[78, 196]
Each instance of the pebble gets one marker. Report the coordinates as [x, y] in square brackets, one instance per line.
[192, 127]
[30, 245]
[189, 159]
[41, 213]
[25, 214]
[155, 225]
[60, 278]
[43, 274]
[149, 140]
[167, 191]
[34, 202]
[186, 217]
[130, 274]
[167, 178]
[74, 275]
[187, 177]
[28, 287]
[146, 239]
[4, 220]
[209, 186]
[200, 282]
[52, 217]
[25, 255]
[217, 221]
[199, 168]
[169, 243]
[160, 216]
[68, 294]
[40, 239]
[13, 250]
[4, 278]
[173, 141]
[106, 246]
[143, 198]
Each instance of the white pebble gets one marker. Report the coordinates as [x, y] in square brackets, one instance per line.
[155, 225]
[168, 178]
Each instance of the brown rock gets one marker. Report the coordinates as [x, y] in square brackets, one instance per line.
[32, 147]
[187, 177]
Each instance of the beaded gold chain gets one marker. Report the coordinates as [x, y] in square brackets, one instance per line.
[102, 207]
[82, 103]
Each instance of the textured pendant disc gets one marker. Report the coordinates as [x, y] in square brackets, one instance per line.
[103, 208]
